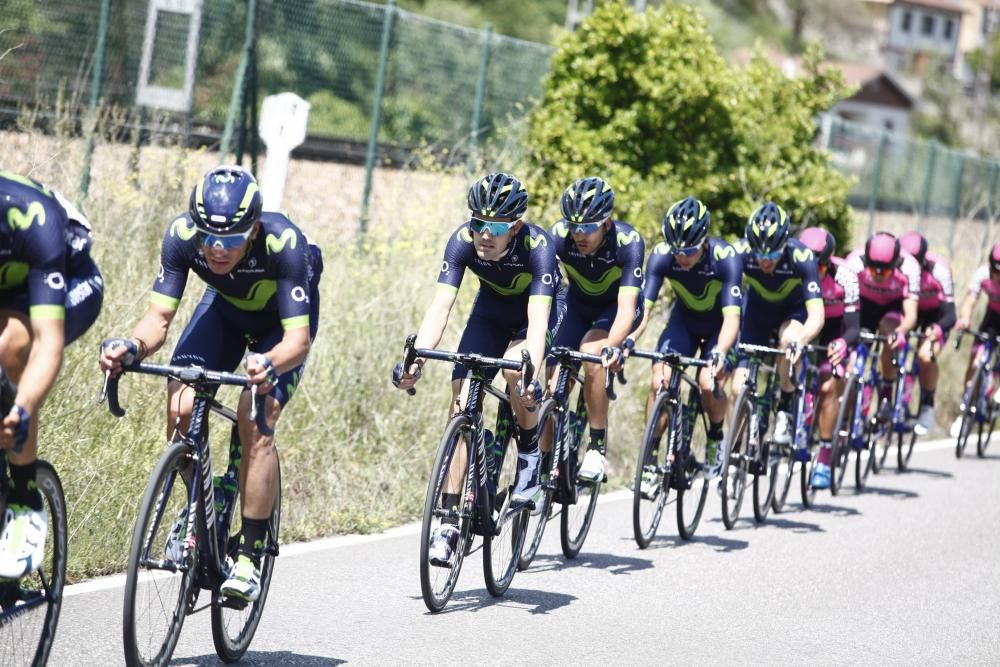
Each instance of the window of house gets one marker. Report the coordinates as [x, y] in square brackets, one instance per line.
[907, 20]
[949, 28]
[927, 25]
[888, 125]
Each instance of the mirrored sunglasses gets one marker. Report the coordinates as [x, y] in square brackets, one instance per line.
[494, 227]
[224, 241]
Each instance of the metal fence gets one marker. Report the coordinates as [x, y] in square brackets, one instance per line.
[370, 72]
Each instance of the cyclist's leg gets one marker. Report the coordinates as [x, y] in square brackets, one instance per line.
[575, 324]
[676, 337]
[927, 353]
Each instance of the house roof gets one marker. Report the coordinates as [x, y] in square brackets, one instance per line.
[955, 6]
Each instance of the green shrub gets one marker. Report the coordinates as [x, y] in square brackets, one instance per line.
[647, 101]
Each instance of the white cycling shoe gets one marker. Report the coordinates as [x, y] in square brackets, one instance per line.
[22, 544]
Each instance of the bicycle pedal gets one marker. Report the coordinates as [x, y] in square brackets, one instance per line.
[233, 602]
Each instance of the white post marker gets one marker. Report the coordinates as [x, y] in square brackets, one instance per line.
[283, 121]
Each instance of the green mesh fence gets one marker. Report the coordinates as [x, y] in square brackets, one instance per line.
[326, 51]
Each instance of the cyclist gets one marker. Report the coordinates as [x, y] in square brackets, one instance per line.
[705, 275]
[935, 316]
[50, 293]
[841, 326]
[515, 262]
[889, 286]
[602, 259]
[985, 279]
[783, 300]
[262, 275]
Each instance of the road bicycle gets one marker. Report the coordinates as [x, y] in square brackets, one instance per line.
[185, 538]
[979, 409]
[29, 606]
[474, 462]
[565, 427]
[675, 466]
[901, 432]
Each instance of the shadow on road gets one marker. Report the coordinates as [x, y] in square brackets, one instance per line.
[900, 494]
[537, 602]
[610, 562]
[936, 474]
[835, 510]
[719, 544]
[263, 658]
[777, 522]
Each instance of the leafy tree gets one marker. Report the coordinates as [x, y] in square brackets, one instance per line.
[646, 101]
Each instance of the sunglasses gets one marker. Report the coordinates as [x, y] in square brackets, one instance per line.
[494, 227]
[690, 251]
[584, 227]
[880, 271]
[224, 241]
[772, 256]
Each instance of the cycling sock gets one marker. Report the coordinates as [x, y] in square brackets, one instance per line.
[825, 447]
[785, 401]
[23, 487]
[526, 439]
[449, 501]
[927, 397]
[253, 537]
[598, 440]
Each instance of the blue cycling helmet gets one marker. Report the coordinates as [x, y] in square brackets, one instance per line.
[768, 228]
[686, 223]
[499, 196]
[589, 199]
[226, 201]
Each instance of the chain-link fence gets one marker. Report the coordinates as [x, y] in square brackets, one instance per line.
[326, 51]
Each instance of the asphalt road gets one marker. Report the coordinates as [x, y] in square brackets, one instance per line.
[906, 573]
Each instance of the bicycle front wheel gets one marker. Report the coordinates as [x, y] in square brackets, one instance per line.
[736, 460]
[986, 430]
[970, 412]
[29, 607]
[502, 550]
[538, 518]
[843, 435]
[437, 580]
[650, 486]
[160, 577]
[693, 491]
[233, 627]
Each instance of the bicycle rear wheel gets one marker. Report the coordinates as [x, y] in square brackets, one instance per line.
[654, 464]
[29, 607]
[736, 457]
[233, 627]
[693, 493]
[843, 435]
[160, 579]
[864, 464]
[539, 517]
[805, 479]
[984, 439]
[437, 582]
[904, 448]
[502, 550]
[788, 467]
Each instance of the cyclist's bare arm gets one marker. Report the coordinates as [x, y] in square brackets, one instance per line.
[815, 319]
[620, 328]
[909, 316]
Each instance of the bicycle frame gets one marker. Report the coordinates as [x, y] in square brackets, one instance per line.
[760, 404]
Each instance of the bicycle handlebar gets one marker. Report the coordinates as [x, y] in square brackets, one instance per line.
[561, 354]
[678, 360]
[189, 375]
[978, 335]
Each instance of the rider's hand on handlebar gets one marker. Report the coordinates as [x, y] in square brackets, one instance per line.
[896, 340]
[613, 361]
[716, 364]
[408, 379]
[962, 324]
[260, 371]
[530, 396]
[793, 351]
[836, 351]
[116, 354]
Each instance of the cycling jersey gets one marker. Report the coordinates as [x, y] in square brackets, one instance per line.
[46, 270]
[708, 290]
[839, 287]
[982, 282]
[903, 284]
[794, 280]
[273, 281]
[615, 267]
[935, 283]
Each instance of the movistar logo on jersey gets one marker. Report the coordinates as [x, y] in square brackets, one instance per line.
[560, 229]
[532, 243]
[464, 235]
[702, 302]
[722, 252]
[594, 287]
[276, 244]
[662, 248]
[742, 246]
[628, 239]
[774, 296]
[518, 285]
[22, 221]
[24, 180]
[802, 254]
[260, 293]
[183, 228]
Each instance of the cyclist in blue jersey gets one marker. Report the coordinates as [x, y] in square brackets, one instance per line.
[262, 275]
[783, 299]
[705, 275]
[602, 259]
[50, 293]
[519, 306]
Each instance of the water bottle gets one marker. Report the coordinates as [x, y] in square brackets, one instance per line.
[809, 405]
[225, 493]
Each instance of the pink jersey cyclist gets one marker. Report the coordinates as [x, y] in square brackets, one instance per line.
[985, 279]
[936, 307]
[883, 289]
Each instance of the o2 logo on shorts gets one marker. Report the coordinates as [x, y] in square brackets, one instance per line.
[546, 278]
[637, 272]
[55, 281]
[735, 291]
[813, 288]
[161, 275]
[445, 267]
[299, 294]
